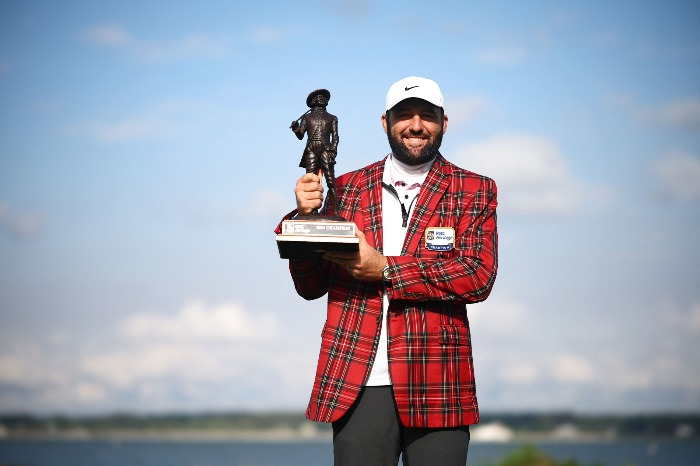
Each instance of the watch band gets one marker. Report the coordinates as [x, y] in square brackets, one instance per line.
[385, 273]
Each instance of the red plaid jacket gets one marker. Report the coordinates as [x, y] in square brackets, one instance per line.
[429, 347]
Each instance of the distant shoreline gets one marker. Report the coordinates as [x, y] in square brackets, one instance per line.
[283, 435]
[205, 435]
[294, 427]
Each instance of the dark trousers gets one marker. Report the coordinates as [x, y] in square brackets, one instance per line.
[371, 434]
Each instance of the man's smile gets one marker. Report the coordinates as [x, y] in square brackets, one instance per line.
[415, 141]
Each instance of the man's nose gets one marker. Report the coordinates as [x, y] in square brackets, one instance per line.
[416, 124]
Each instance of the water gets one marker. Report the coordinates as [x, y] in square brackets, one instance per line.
[219, 453]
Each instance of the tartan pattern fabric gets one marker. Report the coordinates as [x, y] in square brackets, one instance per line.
[429, 346]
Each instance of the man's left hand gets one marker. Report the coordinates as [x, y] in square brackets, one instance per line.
[365, 264]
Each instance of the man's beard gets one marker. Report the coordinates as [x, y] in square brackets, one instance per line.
[402, 153]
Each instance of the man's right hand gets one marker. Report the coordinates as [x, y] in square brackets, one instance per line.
[309, 193]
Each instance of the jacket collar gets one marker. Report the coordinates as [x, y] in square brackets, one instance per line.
[432, 190]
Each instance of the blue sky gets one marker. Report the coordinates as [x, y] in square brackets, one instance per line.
[146, 156]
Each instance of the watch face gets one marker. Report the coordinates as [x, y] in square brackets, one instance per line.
[385, 272]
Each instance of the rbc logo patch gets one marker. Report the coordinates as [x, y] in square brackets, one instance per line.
[440, 238]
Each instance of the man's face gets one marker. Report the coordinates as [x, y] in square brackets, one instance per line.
[319, 101]
[414, 128]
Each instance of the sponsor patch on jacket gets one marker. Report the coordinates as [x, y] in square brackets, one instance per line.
[440, 238]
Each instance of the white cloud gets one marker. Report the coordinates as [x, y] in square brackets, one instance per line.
[498, 316]
[550, 366]
[525, 359]
[196, 321]
[196, 45]
[682, 319]
[200, 357]
[222, 356]
[108, 35]
[19, 225]
[463, 111]
[532, 175]
[678, 175]
[197, 350]
[165, 119]
[18, 369]
[606, 38]
[681, 114]
[90, 392]
[572, 368]
[694, 321]
[125, 130]
[520, 372]
[501, 55]
[25, 364]
[270, 203]
[688, 50]
[190, 46]
[134, 364]
[265, 35]
[524, 368]
[350, 9]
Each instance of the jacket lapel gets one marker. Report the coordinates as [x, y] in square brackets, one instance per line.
[432, 190]
[372, 211]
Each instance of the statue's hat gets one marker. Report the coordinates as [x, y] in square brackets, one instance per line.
[323, 92]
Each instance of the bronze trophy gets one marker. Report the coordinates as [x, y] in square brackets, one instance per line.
[307, 235]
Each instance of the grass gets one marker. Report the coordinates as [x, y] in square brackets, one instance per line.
[530, 455]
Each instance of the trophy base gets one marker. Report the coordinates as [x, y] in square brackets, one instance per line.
[314, 235]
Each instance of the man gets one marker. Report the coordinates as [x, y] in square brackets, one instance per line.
[395, 372]
[322, 143]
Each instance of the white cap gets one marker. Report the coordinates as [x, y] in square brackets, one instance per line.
[414, 86]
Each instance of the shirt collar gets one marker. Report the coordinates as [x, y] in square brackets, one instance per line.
[407, 177]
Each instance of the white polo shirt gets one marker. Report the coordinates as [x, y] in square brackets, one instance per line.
[397, 208]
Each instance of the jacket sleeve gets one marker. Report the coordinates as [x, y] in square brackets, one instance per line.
[310, 276]
[300, 129]
[465, 276]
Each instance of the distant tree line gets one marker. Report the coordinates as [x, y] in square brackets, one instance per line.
[641, 425]
[637, 425]
[23, 423]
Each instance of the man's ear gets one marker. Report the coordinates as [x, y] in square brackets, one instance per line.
[444, 123]
[384, 122]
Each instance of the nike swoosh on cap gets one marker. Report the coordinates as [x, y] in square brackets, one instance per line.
[409, 88]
